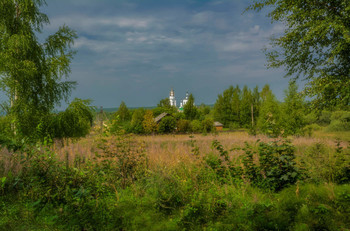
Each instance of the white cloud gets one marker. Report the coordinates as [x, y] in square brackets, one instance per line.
[83, 23]
[253, 39]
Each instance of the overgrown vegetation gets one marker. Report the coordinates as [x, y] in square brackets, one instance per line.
[268, 184]
[264, 187]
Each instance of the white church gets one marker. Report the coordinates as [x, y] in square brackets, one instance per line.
[173, 100]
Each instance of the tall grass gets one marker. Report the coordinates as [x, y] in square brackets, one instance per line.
[174, 183]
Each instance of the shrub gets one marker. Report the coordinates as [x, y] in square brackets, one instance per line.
[184, 126]
[125, 157]
[275, 170]
[196, 126]
[208, 125]
[338, 126]
[234, 126]
[309, 129]
[325, 118]
[277, 165]
[167, 125]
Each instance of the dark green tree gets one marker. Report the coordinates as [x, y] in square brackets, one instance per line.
[164, 106]
[293, 111]
[137, 121]
[167, 125]
[190, 110]
[236, 104]
[208, 125]
[269, 119]
[123, 112]
[256, 104]
[227, 105]
[223, 107]
[31, 72]
[246, 107]
[315, 45]
[165, 103]
[149, 125]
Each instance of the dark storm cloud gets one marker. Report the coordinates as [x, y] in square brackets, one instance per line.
[137, 50]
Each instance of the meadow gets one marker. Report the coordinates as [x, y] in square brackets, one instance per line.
[218, 181]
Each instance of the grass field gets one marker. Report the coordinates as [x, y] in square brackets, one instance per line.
[179, 182]
[170, 149]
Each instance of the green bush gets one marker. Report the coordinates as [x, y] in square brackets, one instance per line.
[325, 118]
[208, 125]
[338, 126]
[234, 126]
[183, 126]
[275, 170]
[196, 126]
[167, 125]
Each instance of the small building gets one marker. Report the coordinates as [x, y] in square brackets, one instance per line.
[218, 126]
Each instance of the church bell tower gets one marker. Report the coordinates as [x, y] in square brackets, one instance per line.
[172, 98]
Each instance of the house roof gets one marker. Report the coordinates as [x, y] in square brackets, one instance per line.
[160, 117]
[218, 124]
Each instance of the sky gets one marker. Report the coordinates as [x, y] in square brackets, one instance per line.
[137, 50]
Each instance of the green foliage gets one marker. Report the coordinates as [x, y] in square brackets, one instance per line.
[226, 108]
[32, 72]
[123, 157]
[277, 165]
[5, 126]
[149, 125]
[234, 126]
[164, 103]
[324, 118]
[74, 122]
[246, 107]
[208, 125]
[340, 121]
[315, 45]
[238, 107]
[293, 111]
[164, 106]
[310, 118]
[275, 170]
[137, 120]
[196, 126]
[269, 119]
[204, 110]
[115, 125]
[123, 112]
[183, 126]
[118, 190]
[167, 125]
[190, 110]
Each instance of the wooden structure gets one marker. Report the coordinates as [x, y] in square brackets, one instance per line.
[218, 126]
[160, 117]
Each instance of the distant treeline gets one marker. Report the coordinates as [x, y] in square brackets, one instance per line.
[257, 110]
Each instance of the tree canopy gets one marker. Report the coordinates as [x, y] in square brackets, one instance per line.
[31, 72]
[190, 110]
[315, 46]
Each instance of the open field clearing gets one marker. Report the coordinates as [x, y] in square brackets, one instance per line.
[171, 149]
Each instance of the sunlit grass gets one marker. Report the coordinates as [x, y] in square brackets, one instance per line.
[169, 150]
